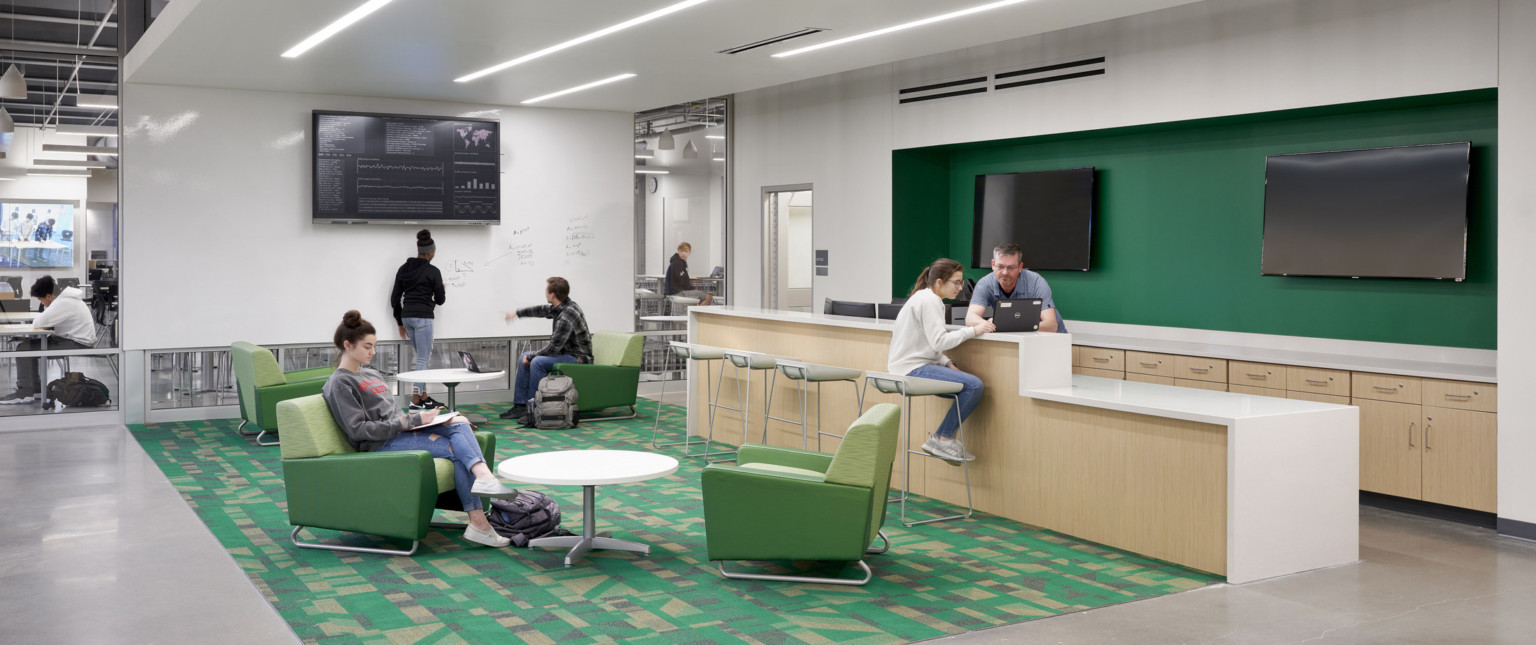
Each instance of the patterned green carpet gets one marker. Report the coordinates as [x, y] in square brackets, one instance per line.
[938, 579]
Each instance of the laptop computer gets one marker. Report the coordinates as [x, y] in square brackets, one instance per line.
[1017, 314]
[16, 306]
[469, 363]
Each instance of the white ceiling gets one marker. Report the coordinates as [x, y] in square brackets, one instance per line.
[415, 48]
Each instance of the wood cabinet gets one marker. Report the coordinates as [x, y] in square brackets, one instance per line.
[1089, 371]
[1461, 458]
[1149, 364]
[1197, 368]
[1202, 385]
[1318, 398]
[1265, 375]
[1257, 391]
[1390, 460]
[1318, 381]
[1150, 378]
[1100, 358]
[1441, 455]
[1461, 395]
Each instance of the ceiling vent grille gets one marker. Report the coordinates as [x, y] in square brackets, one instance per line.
[1049, 73]
[776, 39]
[948, 89]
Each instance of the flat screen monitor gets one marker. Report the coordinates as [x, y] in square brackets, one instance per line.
[859, 309]
[888, 311]
[37, 234]
[1380, 213]
[395, 168]
[1049, 214]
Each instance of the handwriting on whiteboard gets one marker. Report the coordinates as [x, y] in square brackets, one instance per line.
[458, 271]
[578, 233]
[522, 252]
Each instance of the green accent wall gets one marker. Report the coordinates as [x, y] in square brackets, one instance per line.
[1178, 231]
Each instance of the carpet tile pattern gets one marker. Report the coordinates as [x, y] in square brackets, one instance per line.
[938, 579]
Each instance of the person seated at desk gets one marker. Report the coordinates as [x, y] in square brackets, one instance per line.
[1009, 279]
[678, 282]
[569, 342]
[73, 328]
[364, 409]
[918, 341]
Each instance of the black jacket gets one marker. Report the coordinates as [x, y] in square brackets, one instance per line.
[677, 275]
[418, 288]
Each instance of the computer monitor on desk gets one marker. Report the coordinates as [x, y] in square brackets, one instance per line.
[15, 282]
[64, 283]
[16, 306]
[856, 309]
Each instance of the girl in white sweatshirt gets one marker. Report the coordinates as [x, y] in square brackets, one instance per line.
[918, 343]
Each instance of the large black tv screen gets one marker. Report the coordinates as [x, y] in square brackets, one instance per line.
[1381, 213]
[397, 168]
[1048, 213]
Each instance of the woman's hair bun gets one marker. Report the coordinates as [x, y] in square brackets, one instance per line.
[424, 236]
[352, 318]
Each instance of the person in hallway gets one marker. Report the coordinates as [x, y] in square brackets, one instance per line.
[418, 291]
[919, 340]
[1009, 279]
[73, 328]
[678, 282]
[569, 342]
[361, 403]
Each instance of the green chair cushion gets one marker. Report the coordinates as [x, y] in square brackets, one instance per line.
[309, 430]
[444, 475]
[309, 374]
[617, 348]
[785, 469]
[858, 459]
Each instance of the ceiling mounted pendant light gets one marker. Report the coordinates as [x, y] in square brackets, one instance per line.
[690, 151]
[13, 85]
[7, 125]
[665, 141]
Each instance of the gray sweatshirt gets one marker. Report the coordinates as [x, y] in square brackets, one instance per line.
[365, 410]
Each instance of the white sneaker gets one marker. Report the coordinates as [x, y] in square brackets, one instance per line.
[488, 538]
[949, 450]
[493, 488]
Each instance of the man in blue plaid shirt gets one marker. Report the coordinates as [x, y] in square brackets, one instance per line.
[569, 342]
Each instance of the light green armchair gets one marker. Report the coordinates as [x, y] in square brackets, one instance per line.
[261, 384]
[331, 486]
[787, 504]
[612, 379]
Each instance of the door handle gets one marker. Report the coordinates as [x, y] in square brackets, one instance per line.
[1099, 359]
[1384, 389]
[1146, 364]
[1317, 382]
[1199, 370]
[1427, 428]
[1410, 434]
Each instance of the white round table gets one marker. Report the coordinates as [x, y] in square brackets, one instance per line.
[451, 377]
[587, 469]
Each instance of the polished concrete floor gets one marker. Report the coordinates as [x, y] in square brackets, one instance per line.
[97, 547]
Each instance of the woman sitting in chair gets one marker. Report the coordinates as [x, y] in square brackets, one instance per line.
[365, 410]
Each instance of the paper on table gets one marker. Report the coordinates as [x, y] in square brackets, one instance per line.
[446, 417]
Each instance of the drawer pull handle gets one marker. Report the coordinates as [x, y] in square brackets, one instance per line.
[1384, 389]
[1317, 382]
[1146, 364]
[1199, 370]
[1427, 428]
[1259, 376]
[1100, 359]
[1410, 434]
[1459, 397]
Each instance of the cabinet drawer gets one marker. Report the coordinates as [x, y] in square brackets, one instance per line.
[1257, 391]
[1089, 371]
[1317, 381]
[1385, 387]
[1147, 363]
[1148, 378]
[1320, 398]
[1256, 375]
[1200, 369]
[1101, 358]
[1076, 351]
[1461, 395]
[1200, 385]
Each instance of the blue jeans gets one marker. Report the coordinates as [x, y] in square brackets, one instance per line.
[420, 331]
[966, 400]
[455, 442]
[529, 375]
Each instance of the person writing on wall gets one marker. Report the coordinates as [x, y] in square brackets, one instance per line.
[678, 282]
[918, 342]
[569, 342]
[73, 328]
[361, 403]
[1009, 279]
[418, 290]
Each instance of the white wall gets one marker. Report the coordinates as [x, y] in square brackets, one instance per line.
[218, 242]
[1517, 266]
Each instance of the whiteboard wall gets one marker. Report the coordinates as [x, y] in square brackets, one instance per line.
[218, 244]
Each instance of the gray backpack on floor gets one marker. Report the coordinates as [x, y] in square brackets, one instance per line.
[554, 404]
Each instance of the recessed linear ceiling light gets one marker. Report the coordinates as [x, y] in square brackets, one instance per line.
[714, 136]
[896, 28]
[104, 101]
[84, 150]
[638, 171]
[87, 130]
[60, 172]
[578, 88]
[645, 156]
[664, 11]
[69, 163]
[332, 29]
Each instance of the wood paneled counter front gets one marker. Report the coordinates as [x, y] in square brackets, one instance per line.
[1244, 486]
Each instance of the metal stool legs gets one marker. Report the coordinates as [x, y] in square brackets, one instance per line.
[688, 442]
[906, 443]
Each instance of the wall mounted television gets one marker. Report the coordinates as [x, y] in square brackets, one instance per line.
[1380, 213]
[1048, 213]
[405, 169]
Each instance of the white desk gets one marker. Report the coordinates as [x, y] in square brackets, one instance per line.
[451, 377]
[587, 469]
[10, 317]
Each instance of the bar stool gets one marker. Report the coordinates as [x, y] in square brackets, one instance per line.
[805, 374]
[752, 362]
[909, 387]
[698, 353]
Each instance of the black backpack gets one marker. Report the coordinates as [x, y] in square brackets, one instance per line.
[525, 517]
[77, 390]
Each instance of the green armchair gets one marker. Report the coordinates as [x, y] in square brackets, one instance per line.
[260, 384]
[612, 379]
[331, 486]
[787, 504]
